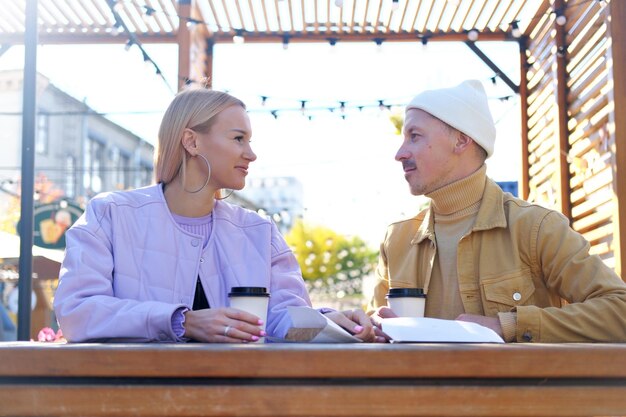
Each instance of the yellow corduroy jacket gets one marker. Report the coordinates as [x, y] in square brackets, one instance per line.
[518, 257]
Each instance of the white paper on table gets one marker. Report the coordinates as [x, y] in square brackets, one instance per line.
[424, 329]
[320, 328]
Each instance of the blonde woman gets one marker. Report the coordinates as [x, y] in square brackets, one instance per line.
[157, 263]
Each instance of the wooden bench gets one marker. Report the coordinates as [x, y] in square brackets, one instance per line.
[38, 379]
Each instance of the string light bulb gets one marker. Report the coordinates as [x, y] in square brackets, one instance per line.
[117, 29]
[339, 3]
[192, 23]
[515, 30]
[395, 5]
[472, 35]
[238, 37]
[285, 42]
[146, 60]
[379, 43]
[560, 20]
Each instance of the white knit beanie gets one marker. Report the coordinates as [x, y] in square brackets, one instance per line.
[463, 107]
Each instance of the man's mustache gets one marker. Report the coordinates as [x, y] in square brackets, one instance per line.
[408, 164]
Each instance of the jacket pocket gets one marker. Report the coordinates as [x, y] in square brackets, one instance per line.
[505, 292]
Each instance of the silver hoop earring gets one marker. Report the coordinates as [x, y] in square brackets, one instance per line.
[229, 194]
[206, 161]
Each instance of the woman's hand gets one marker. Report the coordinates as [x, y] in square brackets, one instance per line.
[222, 325]
[356, 322]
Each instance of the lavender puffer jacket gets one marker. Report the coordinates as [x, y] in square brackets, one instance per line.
[128, 267]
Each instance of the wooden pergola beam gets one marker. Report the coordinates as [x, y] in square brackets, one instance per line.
[227, 37]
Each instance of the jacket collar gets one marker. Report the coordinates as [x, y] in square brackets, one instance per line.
[490, 214]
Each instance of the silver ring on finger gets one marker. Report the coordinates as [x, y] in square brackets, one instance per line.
[226, 330]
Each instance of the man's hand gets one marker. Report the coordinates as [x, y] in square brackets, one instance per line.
[380, 314]
[490, 322]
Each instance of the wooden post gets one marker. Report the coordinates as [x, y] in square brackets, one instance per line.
[618, 52]
[184, 10]
[524, 187]
[563, 146]
[200, 56]
[208, 62]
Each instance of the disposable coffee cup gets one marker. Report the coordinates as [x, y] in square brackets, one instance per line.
[407, 302]
[253, 300]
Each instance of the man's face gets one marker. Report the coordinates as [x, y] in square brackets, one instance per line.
[427, 152]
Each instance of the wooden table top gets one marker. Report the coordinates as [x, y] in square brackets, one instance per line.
[426, 360]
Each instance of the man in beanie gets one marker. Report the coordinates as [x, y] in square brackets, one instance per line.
[480, 254]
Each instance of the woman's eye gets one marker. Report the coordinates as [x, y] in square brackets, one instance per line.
[239, 138]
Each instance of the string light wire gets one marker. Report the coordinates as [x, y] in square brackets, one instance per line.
[114, 5]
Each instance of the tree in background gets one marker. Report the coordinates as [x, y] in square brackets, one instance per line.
[397, 120]
[45, 192]
[332, 265]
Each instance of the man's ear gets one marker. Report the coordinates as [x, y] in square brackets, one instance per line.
[189, 141]
[463, 143]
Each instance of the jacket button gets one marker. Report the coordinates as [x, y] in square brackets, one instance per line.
[527, 337]
[201, 260]
[195, 242]
[517, 296]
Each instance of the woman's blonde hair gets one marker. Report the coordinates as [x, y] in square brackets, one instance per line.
[194, 109]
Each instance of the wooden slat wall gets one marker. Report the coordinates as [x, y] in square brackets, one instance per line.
[589, 107]
[542, 114]
[590, 147]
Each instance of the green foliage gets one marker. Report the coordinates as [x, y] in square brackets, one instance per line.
[330, 262]
[397, 119]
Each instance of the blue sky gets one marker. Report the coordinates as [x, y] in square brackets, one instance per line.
[351, 181]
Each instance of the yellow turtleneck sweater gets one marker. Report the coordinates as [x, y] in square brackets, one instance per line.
[455, 208]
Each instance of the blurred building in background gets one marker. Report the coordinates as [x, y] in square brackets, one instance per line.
[76, 149]
[281, 198]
